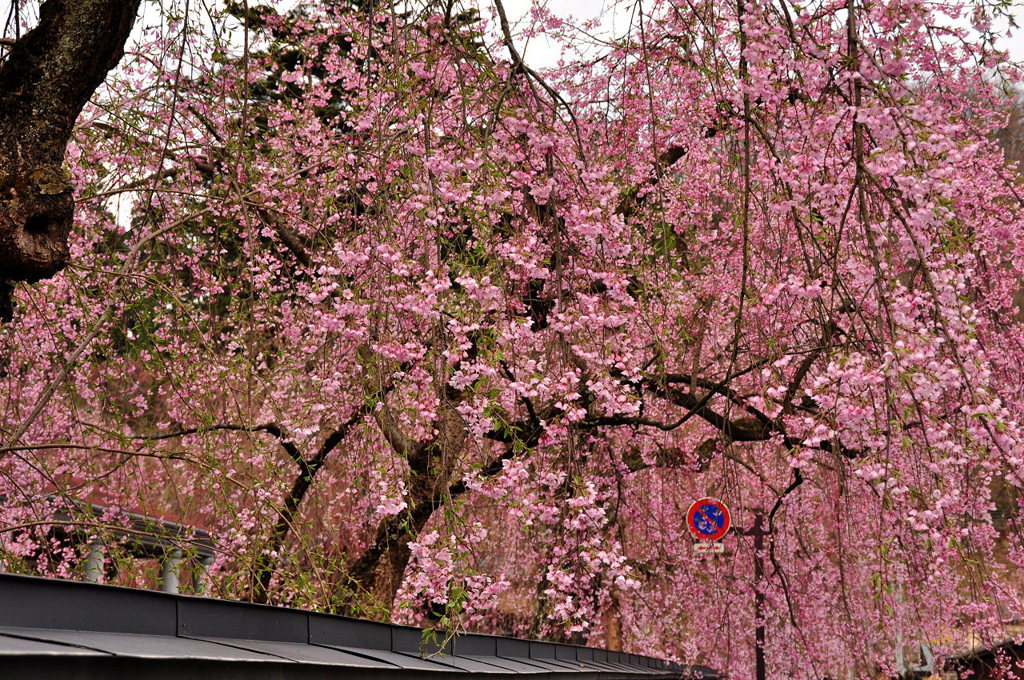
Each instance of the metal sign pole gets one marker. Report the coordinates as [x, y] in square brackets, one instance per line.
[758, 533]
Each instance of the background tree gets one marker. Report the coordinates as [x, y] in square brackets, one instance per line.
[422, 333]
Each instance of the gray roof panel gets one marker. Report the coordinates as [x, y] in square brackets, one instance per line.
[404, 661]
[302, 652]
[15, 645]
[522, 666]
[469, 665]
[203, 617]
[52, 603]
[346, 632]
[142, 645]
[513, 647]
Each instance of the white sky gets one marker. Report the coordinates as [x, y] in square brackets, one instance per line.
[540, 53]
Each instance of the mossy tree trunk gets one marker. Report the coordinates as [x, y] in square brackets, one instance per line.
[46, 79]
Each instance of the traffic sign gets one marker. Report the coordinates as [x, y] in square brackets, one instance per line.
[708, 519]
[706, 547]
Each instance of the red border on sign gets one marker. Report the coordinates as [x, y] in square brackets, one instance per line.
[691, 516]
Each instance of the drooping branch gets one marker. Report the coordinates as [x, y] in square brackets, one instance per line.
[46, 79]
[300, 487]
[377, 571]
[756, 427]
[399, 441]
[519, 66]
[291, 240]
[273, 429]
[671, 457]
[375, 575]
[804, 368]
[308, 468]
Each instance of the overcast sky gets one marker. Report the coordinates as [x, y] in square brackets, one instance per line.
[539, 53]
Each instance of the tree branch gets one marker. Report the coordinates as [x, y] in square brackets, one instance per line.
[300, 487]
[631, 199]
[519, 66]
[272, 429]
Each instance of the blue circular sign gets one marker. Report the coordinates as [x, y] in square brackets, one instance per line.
[708, 519]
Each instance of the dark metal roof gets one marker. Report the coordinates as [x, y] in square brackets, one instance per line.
[68, 629]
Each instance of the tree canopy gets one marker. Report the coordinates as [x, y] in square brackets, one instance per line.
[421, 332]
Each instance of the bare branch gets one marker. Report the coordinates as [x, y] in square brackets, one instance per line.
[519, 66]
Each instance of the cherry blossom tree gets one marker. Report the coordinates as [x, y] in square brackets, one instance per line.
[423, 333]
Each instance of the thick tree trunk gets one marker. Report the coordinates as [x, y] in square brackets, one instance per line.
[613, 625]
[374, 578]
[45, 81]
